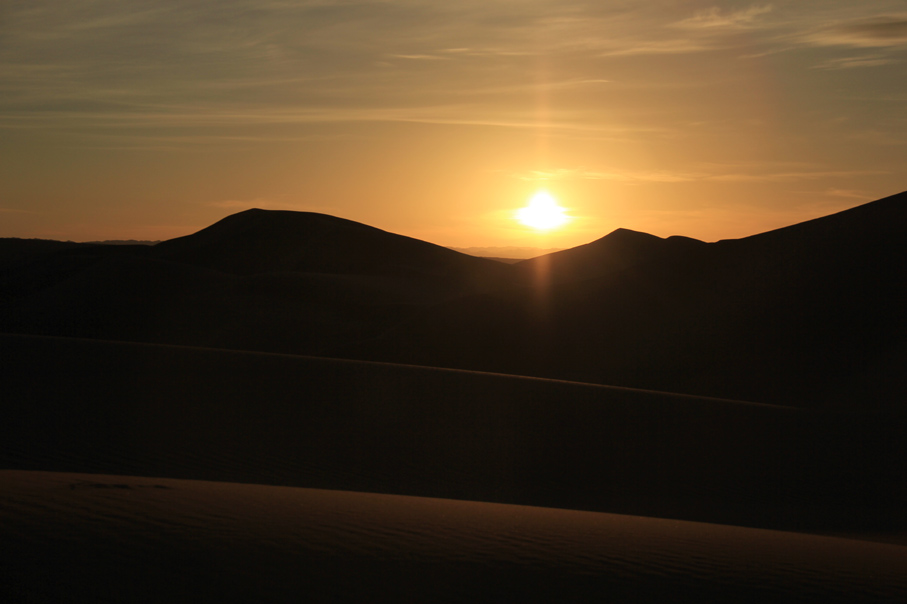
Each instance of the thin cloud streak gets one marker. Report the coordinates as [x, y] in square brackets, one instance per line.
[715, 18]
[856, 62]
[125, 54]
[632, 176]
[881, 31]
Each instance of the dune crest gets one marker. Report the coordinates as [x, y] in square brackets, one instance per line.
[156, 539]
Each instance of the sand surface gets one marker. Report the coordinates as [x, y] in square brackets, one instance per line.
[152, 473]
[85, 537]
[137, 409]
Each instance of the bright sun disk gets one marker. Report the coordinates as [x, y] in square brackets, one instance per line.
[543, 213]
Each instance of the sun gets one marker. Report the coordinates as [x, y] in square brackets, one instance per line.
[542, 213]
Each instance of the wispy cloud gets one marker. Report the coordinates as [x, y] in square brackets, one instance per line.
[849, 194]
[616, 174]
[639, 47]
[225, 117]
[854, 62]
[421, 57]
[781, 177]
[715, 18]
[877, 32]
[118, 69]
[713, 174]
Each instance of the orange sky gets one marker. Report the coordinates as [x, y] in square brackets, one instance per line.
[127, 119]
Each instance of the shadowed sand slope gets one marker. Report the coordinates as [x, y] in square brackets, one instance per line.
[616, 251]
[95, 538]
[139, 298]
[101, 407]
[14, 250]
[806, 316]
[260, 241]
[259, 280]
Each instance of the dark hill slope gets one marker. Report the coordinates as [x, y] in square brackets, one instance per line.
[13, 250]
[616, 251]
[151, 300]
[810, 314]
[258, 280]
[29, 266]
[179, 412]
[263, 241]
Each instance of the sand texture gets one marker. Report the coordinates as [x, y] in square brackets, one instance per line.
[153, 410]
[87, 537]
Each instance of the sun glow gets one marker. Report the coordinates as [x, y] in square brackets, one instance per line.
[542, 213]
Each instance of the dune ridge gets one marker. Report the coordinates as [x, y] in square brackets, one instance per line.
[155, 539]
[807, 315]
[236, 416]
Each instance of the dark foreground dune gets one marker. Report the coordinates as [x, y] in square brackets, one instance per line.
[138, 409]
[96, 538]
[150, 473]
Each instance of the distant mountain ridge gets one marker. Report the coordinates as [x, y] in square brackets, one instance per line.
[124, 242]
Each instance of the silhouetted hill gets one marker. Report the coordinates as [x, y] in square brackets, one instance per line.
[261, 241]
[881, 218]
[30, 266]
[260, 280]
[616, 251]
[803, 315]
[14, 250]
[810, 314]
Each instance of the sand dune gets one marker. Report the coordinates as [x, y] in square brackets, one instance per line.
[262, 241]
[808, 315]
[95, 538]
[799, 316]
[139, 471]
[619, 250]
[151, 300]
[276, 281]
[112, 451]
[104, 407]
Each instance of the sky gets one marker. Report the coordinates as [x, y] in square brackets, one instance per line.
[129, 119]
